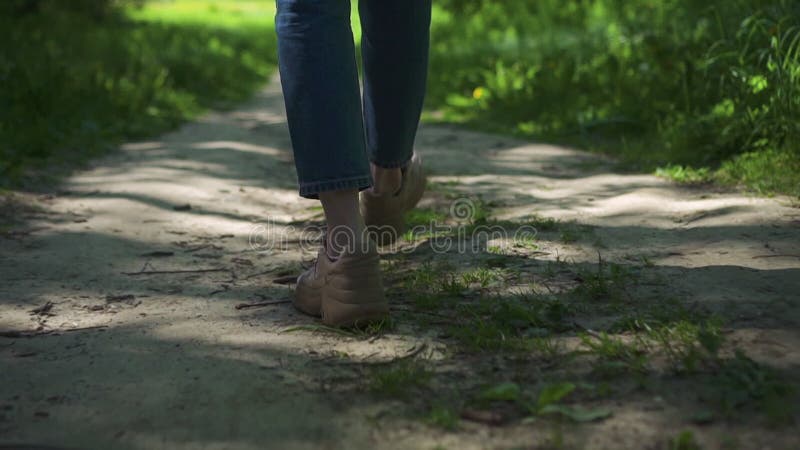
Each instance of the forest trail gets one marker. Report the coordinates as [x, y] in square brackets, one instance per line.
[121, 350]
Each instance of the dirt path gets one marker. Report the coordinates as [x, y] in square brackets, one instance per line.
[173, 364]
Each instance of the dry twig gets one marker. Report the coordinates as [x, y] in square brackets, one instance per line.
[258, 304]
[158, 272]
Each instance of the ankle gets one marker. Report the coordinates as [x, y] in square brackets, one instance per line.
[344, 239]
[386, 180]
[345, 224]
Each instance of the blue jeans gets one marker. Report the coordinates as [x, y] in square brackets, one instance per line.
[332, 137]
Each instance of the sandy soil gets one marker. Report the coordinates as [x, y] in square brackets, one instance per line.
[123, 358]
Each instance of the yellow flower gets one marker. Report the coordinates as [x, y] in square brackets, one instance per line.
[478, 93]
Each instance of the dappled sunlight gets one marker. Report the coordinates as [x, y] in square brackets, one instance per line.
[629, 213]
[238, 146]
[148, 145]
[165, 308]
[550, 291]
[255, 119]
[257, 338]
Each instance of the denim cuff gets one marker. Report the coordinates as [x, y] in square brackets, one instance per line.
[312, 189]
[392, 164]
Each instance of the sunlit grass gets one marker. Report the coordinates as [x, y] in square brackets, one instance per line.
[83, 85]
[767, 172]
[667, 84]
[684, 174]
[218, 13]
[679, 84]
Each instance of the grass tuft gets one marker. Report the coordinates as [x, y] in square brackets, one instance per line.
[399, 379]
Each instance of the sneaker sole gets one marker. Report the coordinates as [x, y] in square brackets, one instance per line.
[339, 314]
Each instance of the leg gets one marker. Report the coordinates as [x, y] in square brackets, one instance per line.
[345, 224]
[320, 85]
[395, 41]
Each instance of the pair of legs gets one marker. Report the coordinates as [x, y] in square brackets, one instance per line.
[343, 144]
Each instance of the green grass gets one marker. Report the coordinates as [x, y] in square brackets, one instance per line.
[766, 172]
[482, 277]
[649, 341]
[399, 379]
[685, 85]
[229, 14]
[605, 282]
[639, 346]
[688, 345]
[658, 312]
[684, 441]
[705, 91]
[443, 417]
[548, 401]
[684, 174]
[516, 322]
[83, 84]
[741, 383]
[615, 356]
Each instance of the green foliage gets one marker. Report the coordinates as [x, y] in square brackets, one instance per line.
[608, 282]
[549, 403]
[687, 345]
[766, 172]
[510, 322]
[551, 394]
[73, 85]
[660, 313]
[398, 379]
[615, 356]
[658, 82]
[502, 392]
[481, 276]
[684, 441]
[443, 417]
[684, 174]
[433, 286]
[423, 218]
[742, 382]
[95, 9]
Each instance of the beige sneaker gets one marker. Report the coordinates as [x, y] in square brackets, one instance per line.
[345, 292]
[385, 213]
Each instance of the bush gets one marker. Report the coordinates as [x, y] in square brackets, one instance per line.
[96, 9]
[74, 86]
[654, 81]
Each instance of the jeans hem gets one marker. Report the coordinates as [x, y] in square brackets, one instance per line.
[312, 189]
[393, 164]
